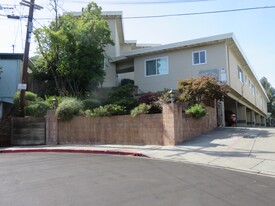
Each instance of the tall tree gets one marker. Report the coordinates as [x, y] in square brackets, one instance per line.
[72, 47]
[270, 91]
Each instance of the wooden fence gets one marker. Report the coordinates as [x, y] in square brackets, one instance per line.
[28, 131]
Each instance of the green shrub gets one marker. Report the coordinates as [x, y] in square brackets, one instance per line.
[140, 109]
[37, 109]
[29, 97]
[68, 108]
[115, 109]
[91, 104]
[123, 96]
[107, 110]
[124, 82]
[197, 111]
[127, 103]
[97, 112]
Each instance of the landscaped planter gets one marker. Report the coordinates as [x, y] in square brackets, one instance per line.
[169, 128]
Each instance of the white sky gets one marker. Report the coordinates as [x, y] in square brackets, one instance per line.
[254, 29]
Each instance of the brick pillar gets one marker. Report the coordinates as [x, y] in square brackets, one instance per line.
[172, 122]
[51, 128]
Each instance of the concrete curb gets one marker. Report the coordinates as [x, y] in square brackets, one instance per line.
[136, 154]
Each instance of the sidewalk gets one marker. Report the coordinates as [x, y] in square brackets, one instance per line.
[243, 149]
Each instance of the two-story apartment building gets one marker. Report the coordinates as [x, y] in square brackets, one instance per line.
[156, 67]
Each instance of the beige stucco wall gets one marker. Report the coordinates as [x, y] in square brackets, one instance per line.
[224, 55]
[111, 51]
[110, 75]
[245, 88]
[125, 47]
[180, 67]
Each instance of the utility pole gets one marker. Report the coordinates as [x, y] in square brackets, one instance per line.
[23, 85]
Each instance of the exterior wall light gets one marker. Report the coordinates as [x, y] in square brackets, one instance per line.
[172, 93]
[54, 102]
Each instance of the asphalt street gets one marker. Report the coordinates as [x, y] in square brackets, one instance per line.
[46, 179]
[250, 150]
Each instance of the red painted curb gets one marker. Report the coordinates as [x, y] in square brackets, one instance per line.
[77, 151]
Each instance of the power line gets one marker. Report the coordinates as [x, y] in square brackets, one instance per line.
[189, 14]
[201, 13]
[180, 14]
[142, 2]
[153, 2]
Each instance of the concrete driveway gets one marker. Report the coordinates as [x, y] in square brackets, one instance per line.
[247, 149]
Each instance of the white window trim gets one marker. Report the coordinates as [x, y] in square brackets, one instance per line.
[199, 52]
[164, 57]
[239, 67]
[253, 89]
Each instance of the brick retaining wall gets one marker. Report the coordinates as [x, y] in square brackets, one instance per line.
[144, 129]
[169, 128]
[193, 127]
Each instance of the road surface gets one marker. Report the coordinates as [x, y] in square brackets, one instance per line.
[48, 179]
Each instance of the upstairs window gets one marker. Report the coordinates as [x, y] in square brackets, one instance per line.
[240, 74]
[199, 57]
[253, 89]
[158, 66]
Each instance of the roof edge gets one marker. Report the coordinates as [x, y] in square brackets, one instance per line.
[178, 44]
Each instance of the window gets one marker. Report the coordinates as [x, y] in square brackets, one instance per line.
[245, 79]
[240, 74]
[199, 57]
[154, 67]
[253, 89]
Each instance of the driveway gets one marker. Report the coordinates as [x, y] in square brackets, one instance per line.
[247, 149]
